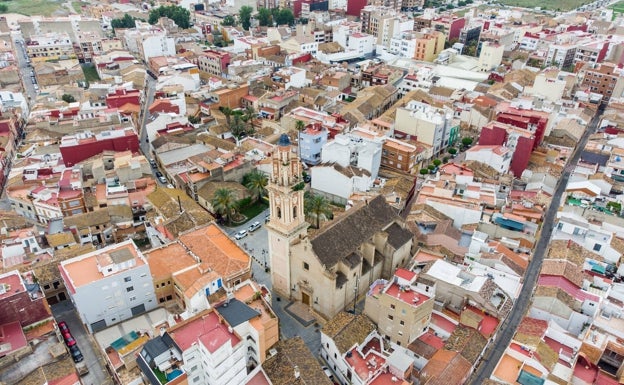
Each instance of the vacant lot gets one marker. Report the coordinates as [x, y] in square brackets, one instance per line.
[34, 7]
[557, 5]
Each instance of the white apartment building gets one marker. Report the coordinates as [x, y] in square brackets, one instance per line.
[109, 285]
[212, 352]
[354, 150]
[149, 42]
[497, 157]
[431, 125]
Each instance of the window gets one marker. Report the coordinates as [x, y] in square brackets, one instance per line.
[392, 306]
[306, 266]
[402, 322]
[390, 317]
[129, 289]
[597, 247]
[127, 279]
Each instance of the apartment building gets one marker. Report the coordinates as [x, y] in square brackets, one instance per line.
[605, 80]
[213, 62]
[118, 275]
[311, 141]
[50, 46]
[432, 126]
[402, 307]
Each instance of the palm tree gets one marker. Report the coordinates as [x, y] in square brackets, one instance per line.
[317, 207]
[256, 182]
[224, 203]
[299, 125]
[227, 112]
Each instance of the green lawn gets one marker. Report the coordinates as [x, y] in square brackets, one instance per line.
[35, 7]
[90, 73]
[618, 7]
[557, 5]
[78, 6]
[252, 210]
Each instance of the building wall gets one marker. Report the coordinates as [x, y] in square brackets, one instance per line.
[415, 319]
[115, 296]
[330, 183]
[75, 154]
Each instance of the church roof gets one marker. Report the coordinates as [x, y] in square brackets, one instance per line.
[345, 236]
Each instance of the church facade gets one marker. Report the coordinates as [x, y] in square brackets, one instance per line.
[327, 271]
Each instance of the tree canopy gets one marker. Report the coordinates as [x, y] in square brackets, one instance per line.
[229, 21]
[126, 21]
[179, 15]
[244, 15]
[67, 98]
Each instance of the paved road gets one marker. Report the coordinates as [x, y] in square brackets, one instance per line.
[508, 328]
[254, 243]
[64, 311]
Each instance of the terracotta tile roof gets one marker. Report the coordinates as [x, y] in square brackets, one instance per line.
[562, 249]
[291, 354]
[208, 190]
[532, 327]
[93, 218]
[445, 368]
[194, 280]
[49, 372]
[592, 353]
[421, 346]
[361, 223]
[167, 201]
[216, 142]
[546, 355]
[166, 260]
[213, 247]
[467, 341]
[347, 330]
[60, 239]
[555, 292]
[563, 268]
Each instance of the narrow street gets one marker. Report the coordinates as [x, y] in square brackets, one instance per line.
[508, 328]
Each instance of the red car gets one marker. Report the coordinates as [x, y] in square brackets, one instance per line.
[69, 340]
[63, 327]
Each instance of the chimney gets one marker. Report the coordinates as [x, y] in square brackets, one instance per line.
[297, 373]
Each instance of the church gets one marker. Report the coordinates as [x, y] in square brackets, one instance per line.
[367, 242]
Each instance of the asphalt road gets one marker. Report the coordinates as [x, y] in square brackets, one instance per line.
[98, 374]
[508, 328]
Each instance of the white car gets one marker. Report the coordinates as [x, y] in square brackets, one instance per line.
[241, 234]
[254, 226]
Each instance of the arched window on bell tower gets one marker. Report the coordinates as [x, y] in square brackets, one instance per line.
[279, 213]
[294, 212]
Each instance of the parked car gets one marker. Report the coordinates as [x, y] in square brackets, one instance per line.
[153, 163]
[267, 218]
[76, 353]
[69, 340]
[241, 234]
[63, 327]
[254, 226]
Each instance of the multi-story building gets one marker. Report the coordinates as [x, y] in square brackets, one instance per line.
[78, 147]
[147, 41]
[211, 351]
[428, 44]
[497, 157]
[592, 53]
[432, 126]
[118, 276]
[490, 56]
[360, 148]
[50, 46]
[311, 141]
[402, 307]
[399, 155]
[605, 80]
[213, 62]
[384, 23]
[451, 26]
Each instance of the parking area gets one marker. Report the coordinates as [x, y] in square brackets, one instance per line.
[98, 374]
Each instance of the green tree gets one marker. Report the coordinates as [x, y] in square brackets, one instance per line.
[238, 126]
[256, 182]
[244, 15]
[126, 21]
[284, 17]
[452, 150]
[264, 17]
[229, 21]
[466, 141]
[299, 125]
[227, 112]
[424, 171]
[437, 162]
[179, 15]
[317, 207]
[194, 119]
[67, 98]
[4, 8]
[224, 203]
